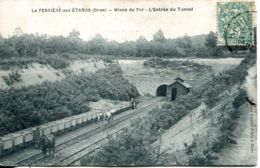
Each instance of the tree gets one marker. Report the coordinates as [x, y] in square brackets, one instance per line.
[142, 47]
[184, 42]
[187, 41]
[211, 40]
[74, 35]
[18, 31]
[74, 40]
[159, 36]
[97, 45]
[98, 39]
[6, 49]
[180, 42]
[141, 39]
[58, 44]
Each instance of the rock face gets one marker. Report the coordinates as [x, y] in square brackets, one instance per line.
[34, 74]
[37, 73]
[86, 65]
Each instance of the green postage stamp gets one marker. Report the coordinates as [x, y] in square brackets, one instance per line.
[235, 23]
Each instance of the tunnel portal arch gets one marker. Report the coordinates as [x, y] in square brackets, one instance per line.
[161, 90]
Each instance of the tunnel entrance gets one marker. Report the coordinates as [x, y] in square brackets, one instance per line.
[161, 90]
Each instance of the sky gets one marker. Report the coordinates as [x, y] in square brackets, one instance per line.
[119, 26]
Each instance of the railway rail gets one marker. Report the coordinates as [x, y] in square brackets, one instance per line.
[75, 156]
[78, 140]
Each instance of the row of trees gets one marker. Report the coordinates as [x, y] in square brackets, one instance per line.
[30, 45]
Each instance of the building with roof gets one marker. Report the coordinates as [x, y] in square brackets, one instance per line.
[174, 90]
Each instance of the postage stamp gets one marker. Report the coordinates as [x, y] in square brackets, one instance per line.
[234, 23]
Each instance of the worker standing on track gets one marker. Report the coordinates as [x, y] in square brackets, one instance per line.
[132, 102]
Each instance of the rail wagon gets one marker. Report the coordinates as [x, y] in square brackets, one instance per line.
[119, 107]
[84, 118]
[99, 115]
[17, 138]
[35, 128]
[61, 125]
[89, 117]
[73, 121]
[46, 129]
[79, 120]
[67, 124]
[93, 116]
[54, 127]
[27, 135]
[6, 143]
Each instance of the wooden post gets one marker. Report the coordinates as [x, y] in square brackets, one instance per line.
[191, 122]
[160, 141]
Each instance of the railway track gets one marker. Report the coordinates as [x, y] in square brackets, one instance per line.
[88, 148]
[75, 155]
[70, 160]
[37, 158]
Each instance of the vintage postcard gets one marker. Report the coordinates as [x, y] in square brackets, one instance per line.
[128, 83]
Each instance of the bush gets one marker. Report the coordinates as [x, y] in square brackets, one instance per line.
[36, 105]
[57, 61]
[132, 147]
[240, 99]
[107, 59]
[12, 78]
[117, 86]
[185, 66]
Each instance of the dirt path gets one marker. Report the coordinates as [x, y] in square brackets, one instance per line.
[244, 152]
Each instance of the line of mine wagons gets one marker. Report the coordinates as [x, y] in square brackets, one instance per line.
[24, 138]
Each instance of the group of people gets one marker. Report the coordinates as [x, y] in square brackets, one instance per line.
[45, 142]
[105, 116]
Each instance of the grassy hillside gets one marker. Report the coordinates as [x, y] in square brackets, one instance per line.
[34, 105]
[35, 73]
